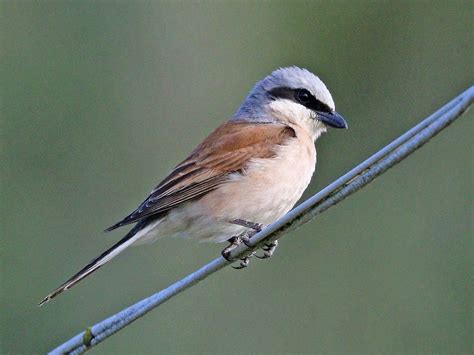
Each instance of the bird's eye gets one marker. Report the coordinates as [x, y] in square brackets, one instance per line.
[303, 96]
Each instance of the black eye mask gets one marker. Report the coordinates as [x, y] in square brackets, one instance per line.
[301, 96]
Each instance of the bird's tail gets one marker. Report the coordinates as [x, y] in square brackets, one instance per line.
[96, 263]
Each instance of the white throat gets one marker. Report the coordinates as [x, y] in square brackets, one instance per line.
[289, 112]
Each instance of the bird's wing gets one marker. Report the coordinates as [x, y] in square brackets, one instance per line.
[225, 151]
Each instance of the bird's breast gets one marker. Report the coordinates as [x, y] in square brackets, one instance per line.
[267, 188]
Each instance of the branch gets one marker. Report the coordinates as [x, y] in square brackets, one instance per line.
[346, 185]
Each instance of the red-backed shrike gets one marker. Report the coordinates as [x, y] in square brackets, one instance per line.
[246, 174]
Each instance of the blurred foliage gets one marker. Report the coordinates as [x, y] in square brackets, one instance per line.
[100, 99]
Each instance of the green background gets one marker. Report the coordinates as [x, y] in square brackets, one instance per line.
[101, 99]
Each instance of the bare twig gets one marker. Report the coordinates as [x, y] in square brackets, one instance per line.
[346, 185]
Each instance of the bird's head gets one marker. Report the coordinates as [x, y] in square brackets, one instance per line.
[292, 95]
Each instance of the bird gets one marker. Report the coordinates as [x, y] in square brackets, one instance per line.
[246, 174]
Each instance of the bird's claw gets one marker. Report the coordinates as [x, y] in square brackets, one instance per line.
[234, 243]
[244, 238]
[268, 250]
[244, 262]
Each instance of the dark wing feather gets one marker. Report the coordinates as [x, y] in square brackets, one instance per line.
[225, 151]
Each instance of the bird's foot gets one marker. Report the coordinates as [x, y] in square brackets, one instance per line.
[268, 250]
[244, 238]
[234, 243]
[244, 262]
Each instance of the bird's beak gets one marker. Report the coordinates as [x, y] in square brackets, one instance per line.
[332, 119]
